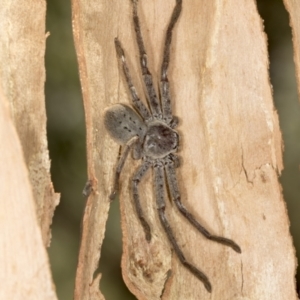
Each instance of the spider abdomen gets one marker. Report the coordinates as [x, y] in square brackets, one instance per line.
[160, 140]
[123, 123]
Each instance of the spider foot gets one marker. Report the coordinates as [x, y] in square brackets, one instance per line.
[236, 247]
[88, 188]
[147, 229]
[113, 195]
[200, 275]
[227, 242]
[148, 236]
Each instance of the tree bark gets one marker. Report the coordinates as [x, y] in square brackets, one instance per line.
[24, 272]
[293, 8]
[27, 197]
[231, 151]
[22, 73]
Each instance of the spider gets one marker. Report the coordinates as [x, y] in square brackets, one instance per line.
[149, 131]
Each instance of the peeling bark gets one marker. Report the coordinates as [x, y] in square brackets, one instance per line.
[231, 151]
[22, 48]
[27, 197]
[25, 271]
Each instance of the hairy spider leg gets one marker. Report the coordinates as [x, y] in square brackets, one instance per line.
[138, 175]
[175, 195]
[164, 82]
[147, 77]
[138, 104]
[159, 187]
[120, 166]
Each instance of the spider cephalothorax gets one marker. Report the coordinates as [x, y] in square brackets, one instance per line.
[149, 132]
[160, 140]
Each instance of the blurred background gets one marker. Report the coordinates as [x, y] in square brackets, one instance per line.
[66, 134]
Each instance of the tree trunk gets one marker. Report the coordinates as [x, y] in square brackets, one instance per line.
[24, 272]
[231, 151]
[22, 74]
[26, 209]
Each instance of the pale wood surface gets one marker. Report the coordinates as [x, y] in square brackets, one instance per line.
[22, 73]
[293, 8]
[25, 271]
[230, 149]
[27, 198]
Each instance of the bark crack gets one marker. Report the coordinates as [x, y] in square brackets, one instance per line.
[242, 273]
[168, 275]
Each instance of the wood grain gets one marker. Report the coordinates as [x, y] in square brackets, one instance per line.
[27, 196]
[25, 271]
[230, 148]
[22, 73]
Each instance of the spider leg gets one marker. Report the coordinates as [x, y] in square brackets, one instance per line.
[164, 82]
[138, 104]
[174, 191]
[120, 166]
[139, 174]
[159, 186]
[147, 77]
